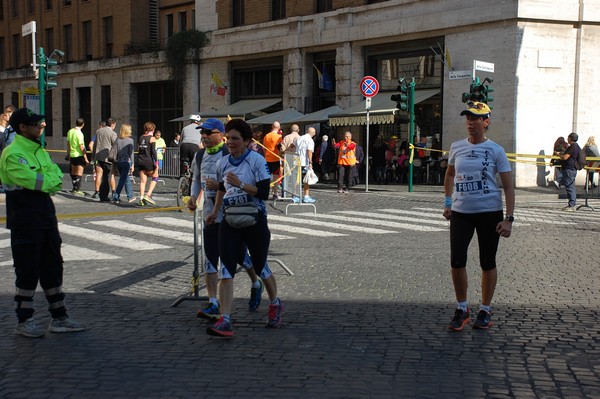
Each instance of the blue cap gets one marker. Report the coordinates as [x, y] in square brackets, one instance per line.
[212, 124]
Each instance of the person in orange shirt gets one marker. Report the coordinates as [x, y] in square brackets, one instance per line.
[346, 161]
[272, 142]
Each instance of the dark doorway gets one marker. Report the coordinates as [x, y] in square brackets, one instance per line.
[84, 108]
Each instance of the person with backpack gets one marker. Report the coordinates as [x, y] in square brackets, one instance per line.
[572, 160]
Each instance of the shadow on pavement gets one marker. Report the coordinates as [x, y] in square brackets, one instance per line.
[351, 349]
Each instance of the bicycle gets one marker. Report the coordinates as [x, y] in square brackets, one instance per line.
[184, 185]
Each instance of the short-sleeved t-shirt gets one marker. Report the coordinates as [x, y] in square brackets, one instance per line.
[75, 139]
[270, 141]
[475, 186]
[303, 144]
[160, 146]
[250, 168]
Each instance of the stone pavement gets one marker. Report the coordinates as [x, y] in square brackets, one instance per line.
[365, 317]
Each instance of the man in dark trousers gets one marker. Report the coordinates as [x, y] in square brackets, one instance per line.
[105, 137]
[569, 170]
[30, 178]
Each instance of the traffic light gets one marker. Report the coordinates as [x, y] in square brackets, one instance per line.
[51, 73]
[402, 98]
[479, 91]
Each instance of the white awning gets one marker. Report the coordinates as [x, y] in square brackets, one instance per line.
[382, 110]
[319, 116]
[242, 107]
[283, 116]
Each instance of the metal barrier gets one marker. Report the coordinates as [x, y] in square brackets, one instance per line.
[170, 167]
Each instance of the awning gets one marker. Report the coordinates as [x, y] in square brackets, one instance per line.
[283, 116]
[382, 110]
[319, 116]
[242, 107]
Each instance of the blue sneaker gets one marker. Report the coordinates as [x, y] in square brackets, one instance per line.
[222, 328]
[255, 296]
[210, 312]
[483, 321]
[309, 200]
[275, 312]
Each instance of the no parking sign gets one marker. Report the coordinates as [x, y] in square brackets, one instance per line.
[369, 86]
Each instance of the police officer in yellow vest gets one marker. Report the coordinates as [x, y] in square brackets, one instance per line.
[30, 178]
[346, 161]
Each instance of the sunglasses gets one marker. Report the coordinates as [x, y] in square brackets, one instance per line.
[208, 132]
[471, 104]
[37, 124]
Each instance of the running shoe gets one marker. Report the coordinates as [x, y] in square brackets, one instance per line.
[148, 200]
[483, 321]
[141, 203]
[275, 312]
[78, 192]
[308, 199]
[29, 328]
[222, 328]
[460, 320]
[255, 296]
[296, 199]
[211, 312]
[95, 195]
[346, 191]
[340, 191]
[65, 324]
[569, 209]
[132, 199]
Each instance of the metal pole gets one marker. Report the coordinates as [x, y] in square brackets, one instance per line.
[42, 87]
[367, 170]
[411, 131]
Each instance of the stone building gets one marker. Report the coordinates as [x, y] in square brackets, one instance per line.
[270, 55]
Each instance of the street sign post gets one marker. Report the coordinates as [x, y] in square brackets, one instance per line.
[369, 87]
[30, 29]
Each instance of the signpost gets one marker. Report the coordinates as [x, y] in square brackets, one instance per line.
[369, 87]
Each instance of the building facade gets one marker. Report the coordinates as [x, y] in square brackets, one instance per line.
[270, 55]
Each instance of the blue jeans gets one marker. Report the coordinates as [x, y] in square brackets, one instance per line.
[568, 181]
[124, 180]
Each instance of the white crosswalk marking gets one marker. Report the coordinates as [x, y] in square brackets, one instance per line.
[175, 222]
[301, 230]
[385, 223]
[146, 232]
[107, 238]
[416, 217]
[341, 226]
[69, 253]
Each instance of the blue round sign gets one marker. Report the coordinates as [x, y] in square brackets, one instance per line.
[369, 86]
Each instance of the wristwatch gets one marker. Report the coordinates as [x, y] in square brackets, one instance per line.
[509, 218]
[242, 185]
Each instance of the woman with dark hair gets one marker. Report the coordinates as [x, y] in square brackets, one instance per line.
[244, 180]
[147, 163]
[560, 145]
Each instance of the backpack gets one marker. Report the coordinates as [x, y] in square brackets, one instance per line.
[580, 162]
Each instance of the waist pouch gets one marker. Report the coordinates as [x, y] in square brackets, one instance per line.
[241, 216]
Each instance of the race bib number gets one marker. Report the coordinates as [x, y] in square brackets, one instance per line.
[236, 196]
[468, 183]
[204, 177]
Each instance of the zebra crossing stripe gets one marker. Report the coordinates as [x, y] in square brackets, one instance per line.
[74, 253]
[395, 217]
[382, 223]
[82, 254]
[301, 230]
[332, 225]
[174, 222]
[146, 232]
[280, 237]
[5, 243]
[108, 238]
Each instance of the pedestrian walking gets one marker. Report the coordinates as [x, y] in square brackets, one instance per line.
[105, 137]
[473, 203]
[204, 173]
[125, 163]
[77, 155]
[147, 164]
[161, 147]
[30, 178]
[305, 145]
[244, 180]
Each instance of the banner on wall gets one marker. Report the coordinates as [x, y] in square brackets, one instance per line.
[217, 87]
